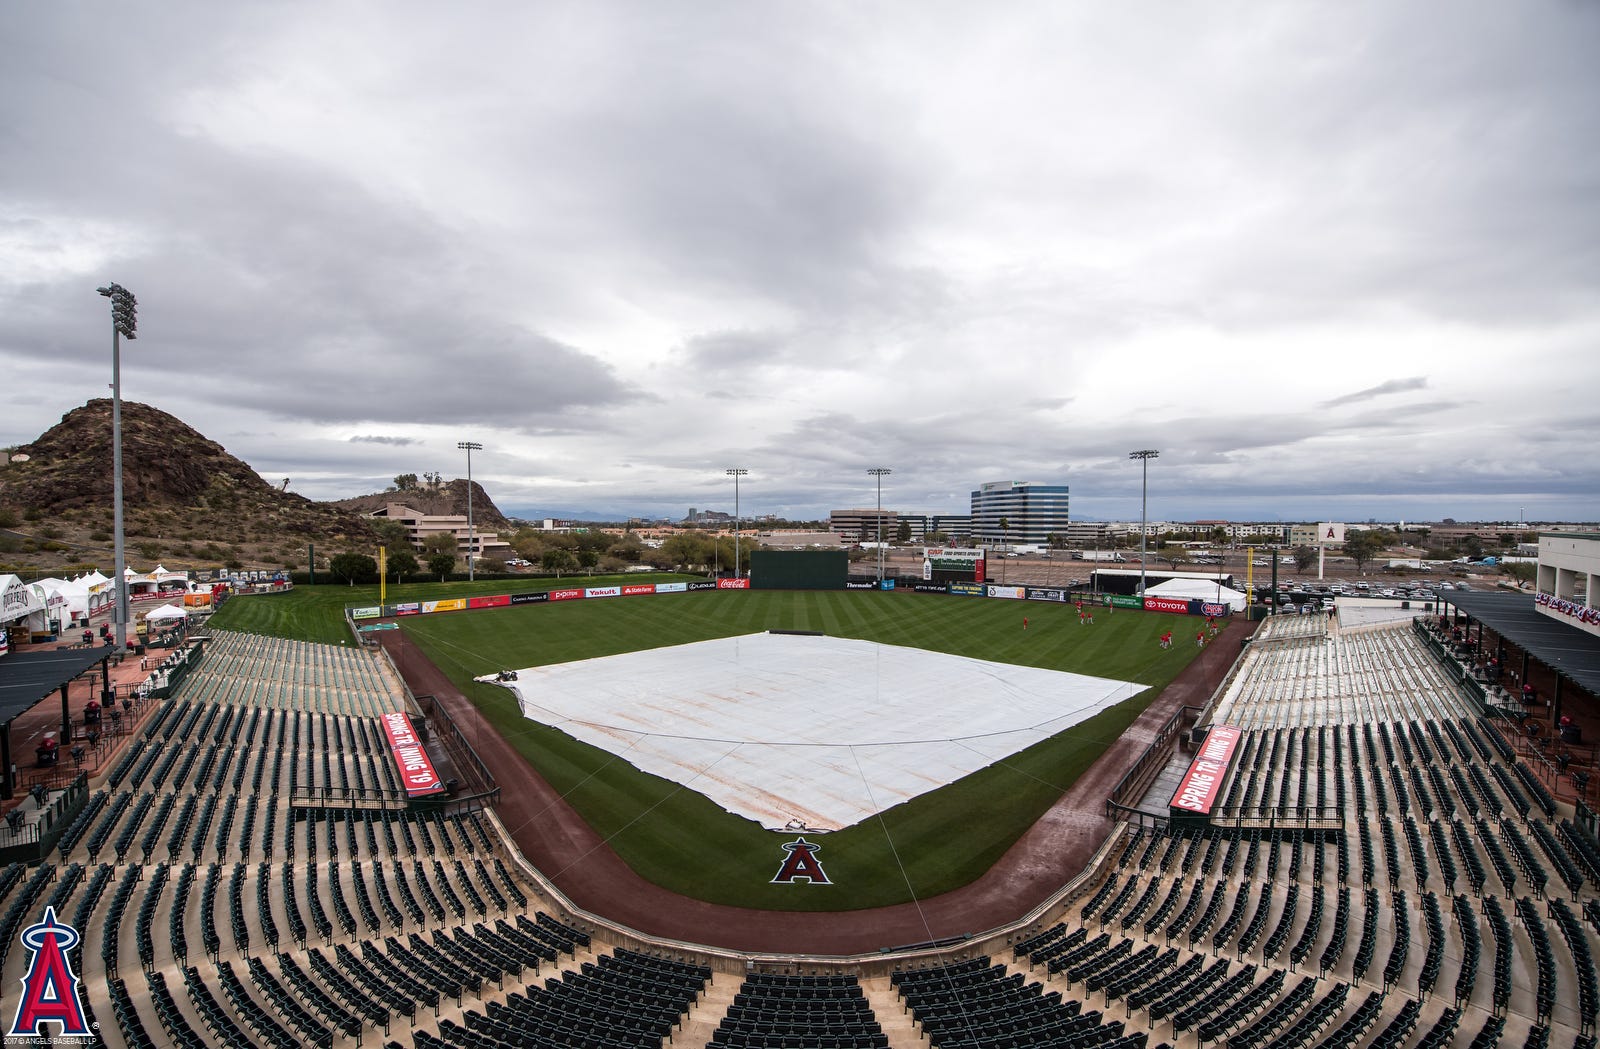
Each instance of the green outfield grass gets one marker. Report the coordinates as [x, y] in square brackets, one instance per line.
[316, 613]
[680, 840]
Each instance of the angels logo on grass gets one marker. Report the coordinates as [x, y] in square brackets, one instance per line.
[801, 864]
[49, 987]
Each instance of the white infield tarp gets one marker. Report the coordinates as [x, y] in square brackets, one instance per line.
[814, 732]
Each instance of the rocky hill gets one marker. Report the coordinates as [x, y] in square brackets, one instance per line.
[187, 502]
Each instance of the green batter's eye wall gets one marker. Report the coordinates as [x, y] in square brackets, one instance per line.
[798, 569]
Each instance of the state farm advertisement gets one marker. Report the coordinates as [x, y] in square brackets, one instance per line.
[1177, 605]
[638, 588]
[1198, 790]
[416, 771]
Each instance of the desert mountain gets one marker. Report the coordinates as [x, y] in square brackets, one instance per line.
[186, 501]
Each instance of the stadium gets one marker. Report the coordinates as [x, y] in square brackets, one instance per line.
[678, 813]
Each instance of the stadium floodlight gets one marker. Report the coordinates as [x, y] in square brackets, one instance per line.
[736, 472]
[1144, 455]
[880, 472]
[472, 537]
[124, 325]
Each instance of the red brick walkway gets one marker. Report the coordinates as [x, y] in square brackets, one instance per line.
[557, 840]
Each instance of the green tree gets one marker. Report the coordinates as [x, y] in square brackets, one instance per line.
[1363, 546]
[353, 568]
[1219, 536]
[1005, 531]
[1472, 546]
[685, 550]
[402, 563]
[1522, 572]
[391, 534]
[903, 533]
[588, 557]
[1304, 558]
[628, 549]
[405, 482]
[558, 560]
[441, 565]
[440, 543]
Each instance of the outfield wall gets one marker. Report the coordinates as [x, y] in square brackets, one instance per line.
[366, 617]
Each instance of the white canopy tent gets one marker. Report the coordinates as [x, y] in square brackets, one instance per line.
[18, 600]
[167, 612]
[1199, 588]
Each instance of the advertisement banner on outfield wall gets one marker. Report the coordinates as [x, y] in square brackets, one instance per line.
[1212, 610]
[635, 589]
[449, 604]
[602, 591]
[671, 588]
[931, 588]
[407, 608]
[369, 612]
[1044, 593]
[1176, 605]
[1010, 593]
[528, 599]
[494, 601]
[886, 584]
[703, 585]
[566, 595]
[1119, 601]
[967, 589]
[733, 584]
[416, 771]
[860, 584]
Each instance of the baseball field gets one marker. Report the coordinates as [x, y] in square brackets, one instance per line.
[677, 838]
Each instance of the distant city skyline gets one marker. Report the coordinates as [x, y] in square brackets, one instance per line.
[1335, 262]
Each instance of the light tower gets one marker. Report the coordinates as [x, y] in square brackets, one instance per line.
[736, 472]
[124, 324]
[1144, 455]
[879, 473]
[472, 537]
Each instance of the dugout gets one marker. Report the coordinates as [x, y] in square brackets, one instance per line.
[798, 569]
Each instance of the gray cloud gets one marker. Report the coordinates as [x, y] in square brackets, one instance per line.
[627, 245]
[397, 442]
[1392, 386]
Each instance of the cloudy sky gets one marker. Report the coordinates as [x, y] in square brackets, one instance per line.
[1335, 260]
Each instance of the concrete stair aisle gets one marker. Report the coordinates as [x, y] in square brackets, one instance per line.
[706, 1014]
[892, 1015]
